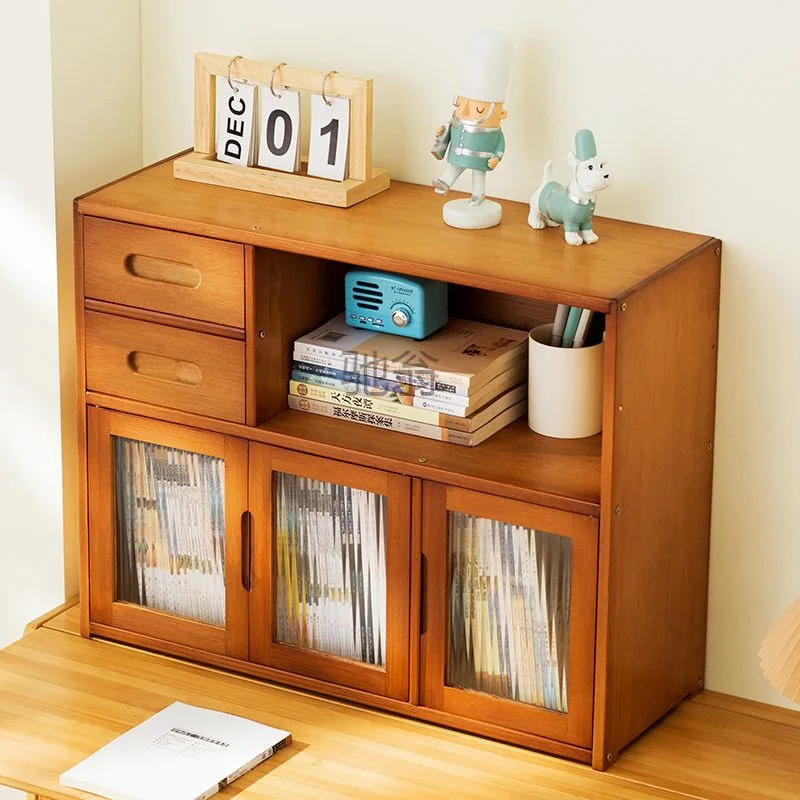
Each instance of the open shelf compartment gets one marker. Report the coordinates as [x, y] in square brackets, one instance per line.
[295, 294]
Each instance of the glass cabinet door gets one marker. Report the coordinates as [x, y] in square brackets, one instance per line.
[508, 634]
[331, 570]
[166, 504]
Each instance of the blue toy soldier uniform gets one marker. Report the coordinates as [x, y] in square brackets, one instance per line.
[472, 139]
[470, 147]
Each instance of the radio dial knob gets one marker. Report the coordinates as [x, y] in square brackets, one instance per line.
[401, 317]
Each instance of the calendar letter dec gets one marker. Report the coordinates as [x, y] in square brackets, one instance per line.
[235, 113]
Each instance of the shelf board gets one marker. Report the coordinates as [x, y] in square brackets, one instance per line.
[515, 462]
[401, 230]
[563, 472]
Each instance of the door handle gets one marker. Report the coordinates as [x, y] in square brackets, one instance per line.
[247, 552]
[423, 594]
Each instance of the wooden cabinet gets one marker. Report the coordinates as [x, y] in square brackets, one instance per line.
[331, 561]
[546, 592]
[509, 612]
[165, 510]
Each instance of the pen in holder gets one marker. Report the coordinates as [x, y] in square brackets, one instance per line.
[565, 387]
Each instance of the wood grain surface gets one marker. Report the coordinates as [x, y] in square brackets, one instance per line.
[165, 365]
[402, 230]
[651, 641]
[296, 185]
[291, 296]
[68, 621]
[515, 462]
[513, 457]
[64, 697]
[189, 276]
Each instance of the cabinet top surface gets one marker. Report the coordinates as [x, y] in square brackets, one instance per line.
[402, 230]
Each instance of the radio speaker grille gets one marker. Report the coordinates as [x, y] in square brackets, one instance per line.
[367, 295]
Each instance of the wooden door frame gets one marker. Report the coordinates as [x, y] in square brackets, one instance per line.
[103, 608]
[574, 726]
[393, 681]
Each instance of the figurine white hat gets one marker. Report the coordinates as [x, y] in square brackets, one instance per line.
[487, 63]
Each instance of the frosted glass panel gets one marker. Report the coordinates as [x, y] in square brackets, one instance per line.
[509, 611]
[170, 530]
[330, 568]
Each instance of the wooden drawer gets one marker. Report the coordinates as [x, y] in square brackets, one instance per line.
[189, 276]
[158, 364]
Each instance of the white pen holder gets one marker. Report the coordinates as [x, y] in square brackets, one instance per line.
[565, 387]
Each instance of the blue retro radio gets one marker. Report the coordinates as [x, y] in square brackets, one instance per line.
[382, 301]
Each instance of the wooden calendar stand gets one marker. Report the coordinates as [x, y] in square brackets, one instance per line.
[201, 165]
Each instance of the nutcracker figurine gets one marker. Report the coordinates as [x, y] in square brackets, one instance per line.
[473, 139]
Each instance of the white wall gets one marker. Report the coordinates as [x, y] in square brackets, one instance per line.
[31, 569]
[696, 107]
[42, 92]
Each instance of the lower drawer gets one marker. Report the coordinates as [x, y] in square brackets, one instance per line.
[180, 369]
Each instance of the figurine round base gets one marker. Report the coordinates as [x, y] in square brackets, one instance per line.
[460, 214]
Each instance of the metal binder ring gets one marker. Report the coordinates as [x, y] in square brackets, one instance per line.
[324, 81]
[272, 80]
[234, 89]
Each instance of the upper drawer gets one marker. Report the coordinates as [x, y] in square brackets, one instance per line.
[177, 273]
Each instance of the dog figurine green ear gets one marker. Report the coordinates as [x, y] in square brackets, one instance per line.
[573, 205]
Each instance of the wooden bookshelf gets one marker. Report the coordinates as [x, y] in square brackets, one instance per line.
[189, 297]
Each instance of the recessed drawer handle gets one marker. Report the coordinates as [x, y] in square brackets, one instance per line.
[165, 369]
[163, 271]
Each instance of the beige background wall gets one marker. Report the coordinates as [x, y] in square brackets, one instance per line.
[31, 565]
[695, 105]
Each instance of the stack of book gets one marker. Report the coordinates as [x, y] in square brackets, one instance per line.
[170, 530]
[461, 384]
[509, 611]
[330, 568]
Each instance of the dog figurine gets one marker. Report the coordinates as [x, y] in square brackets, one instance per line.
[573, 206]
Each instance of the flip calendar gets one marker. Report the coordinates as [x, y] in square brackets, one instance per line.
[248, 121]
